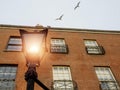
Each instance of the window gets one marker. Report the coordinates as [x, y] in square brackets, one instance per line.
[62, 78]
[93, 48]
[14, 44]
[58, 46]
[7, 77]
[106, 78]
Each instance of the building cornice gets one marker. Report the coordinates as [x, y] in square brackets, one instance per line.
[16, 27]
[59, 29]
[84, 30]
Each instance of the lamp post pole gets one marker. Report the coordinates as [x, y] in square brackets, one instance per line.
[31, 77]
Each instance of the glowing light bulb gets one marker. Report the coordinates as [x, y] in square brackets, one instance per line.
[33, 49]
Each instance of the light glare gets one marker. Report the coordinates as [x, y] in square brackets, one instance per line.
[34, 49]
[33, 42]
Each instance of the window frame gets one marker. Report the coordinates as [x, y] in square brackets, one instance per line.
[15, 47]
[10, 83]
[59, 81]
[95, 49]
[106, 82]
[64, 47]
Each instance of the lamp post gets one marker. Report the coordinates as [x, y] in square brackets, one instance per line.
[33, 48]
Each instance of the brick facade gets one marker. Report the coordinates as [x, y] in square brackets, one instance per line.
[81, 63]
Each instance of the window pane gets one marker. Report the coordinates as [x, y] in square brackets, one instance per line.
[93, 48]
[14, 44]
[7, 77]
[7, 69]
[2, 69]
[106, 78]
[62, 78]
[15, 41]
[58, 45]
[63, 85]
[90, 43]
[62, 72]
[109, 86]
[13, 69]
[104, 73]
[12, 76]
[58, 48]
[57, 42]
[14, 48]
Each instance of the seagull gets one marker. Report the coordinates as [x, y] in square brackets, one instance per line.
[77, 5]
[60, 18]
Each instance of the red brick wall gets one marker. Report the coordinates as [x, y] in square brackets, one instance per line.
[81, 64]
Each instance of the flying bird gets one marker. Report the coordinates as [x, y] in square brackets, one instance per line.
[77, 5]
[60, 18]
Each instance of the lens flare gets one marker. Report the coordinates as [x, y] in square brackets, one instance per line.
[33, 48]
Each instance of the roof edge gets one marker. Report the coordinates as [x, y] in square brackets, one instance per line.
[60, 29]
[83, 29]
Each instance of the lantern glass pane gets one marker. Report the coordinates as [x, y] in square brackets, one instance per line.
[33, 42]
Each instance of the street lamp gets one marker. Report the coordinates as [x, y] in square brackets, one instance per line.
[33, 48]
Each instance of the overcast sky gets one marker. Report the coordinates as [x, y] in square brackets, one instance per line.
[92, 14]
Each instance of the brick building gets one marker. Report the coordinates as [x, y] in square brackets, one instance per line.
[75, 59]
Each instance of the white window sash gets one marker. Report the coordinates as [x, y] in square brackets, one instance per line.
[57, 42]
[62, 78]
[15, 41]
[90, 43]
[106, 78]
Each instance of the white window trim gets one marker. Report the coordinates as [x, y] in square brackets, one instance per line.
[107, 81]
[62, 83]
[14, 44]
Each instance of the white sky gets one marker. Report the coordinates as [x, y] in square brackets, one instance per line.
[92, 14]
